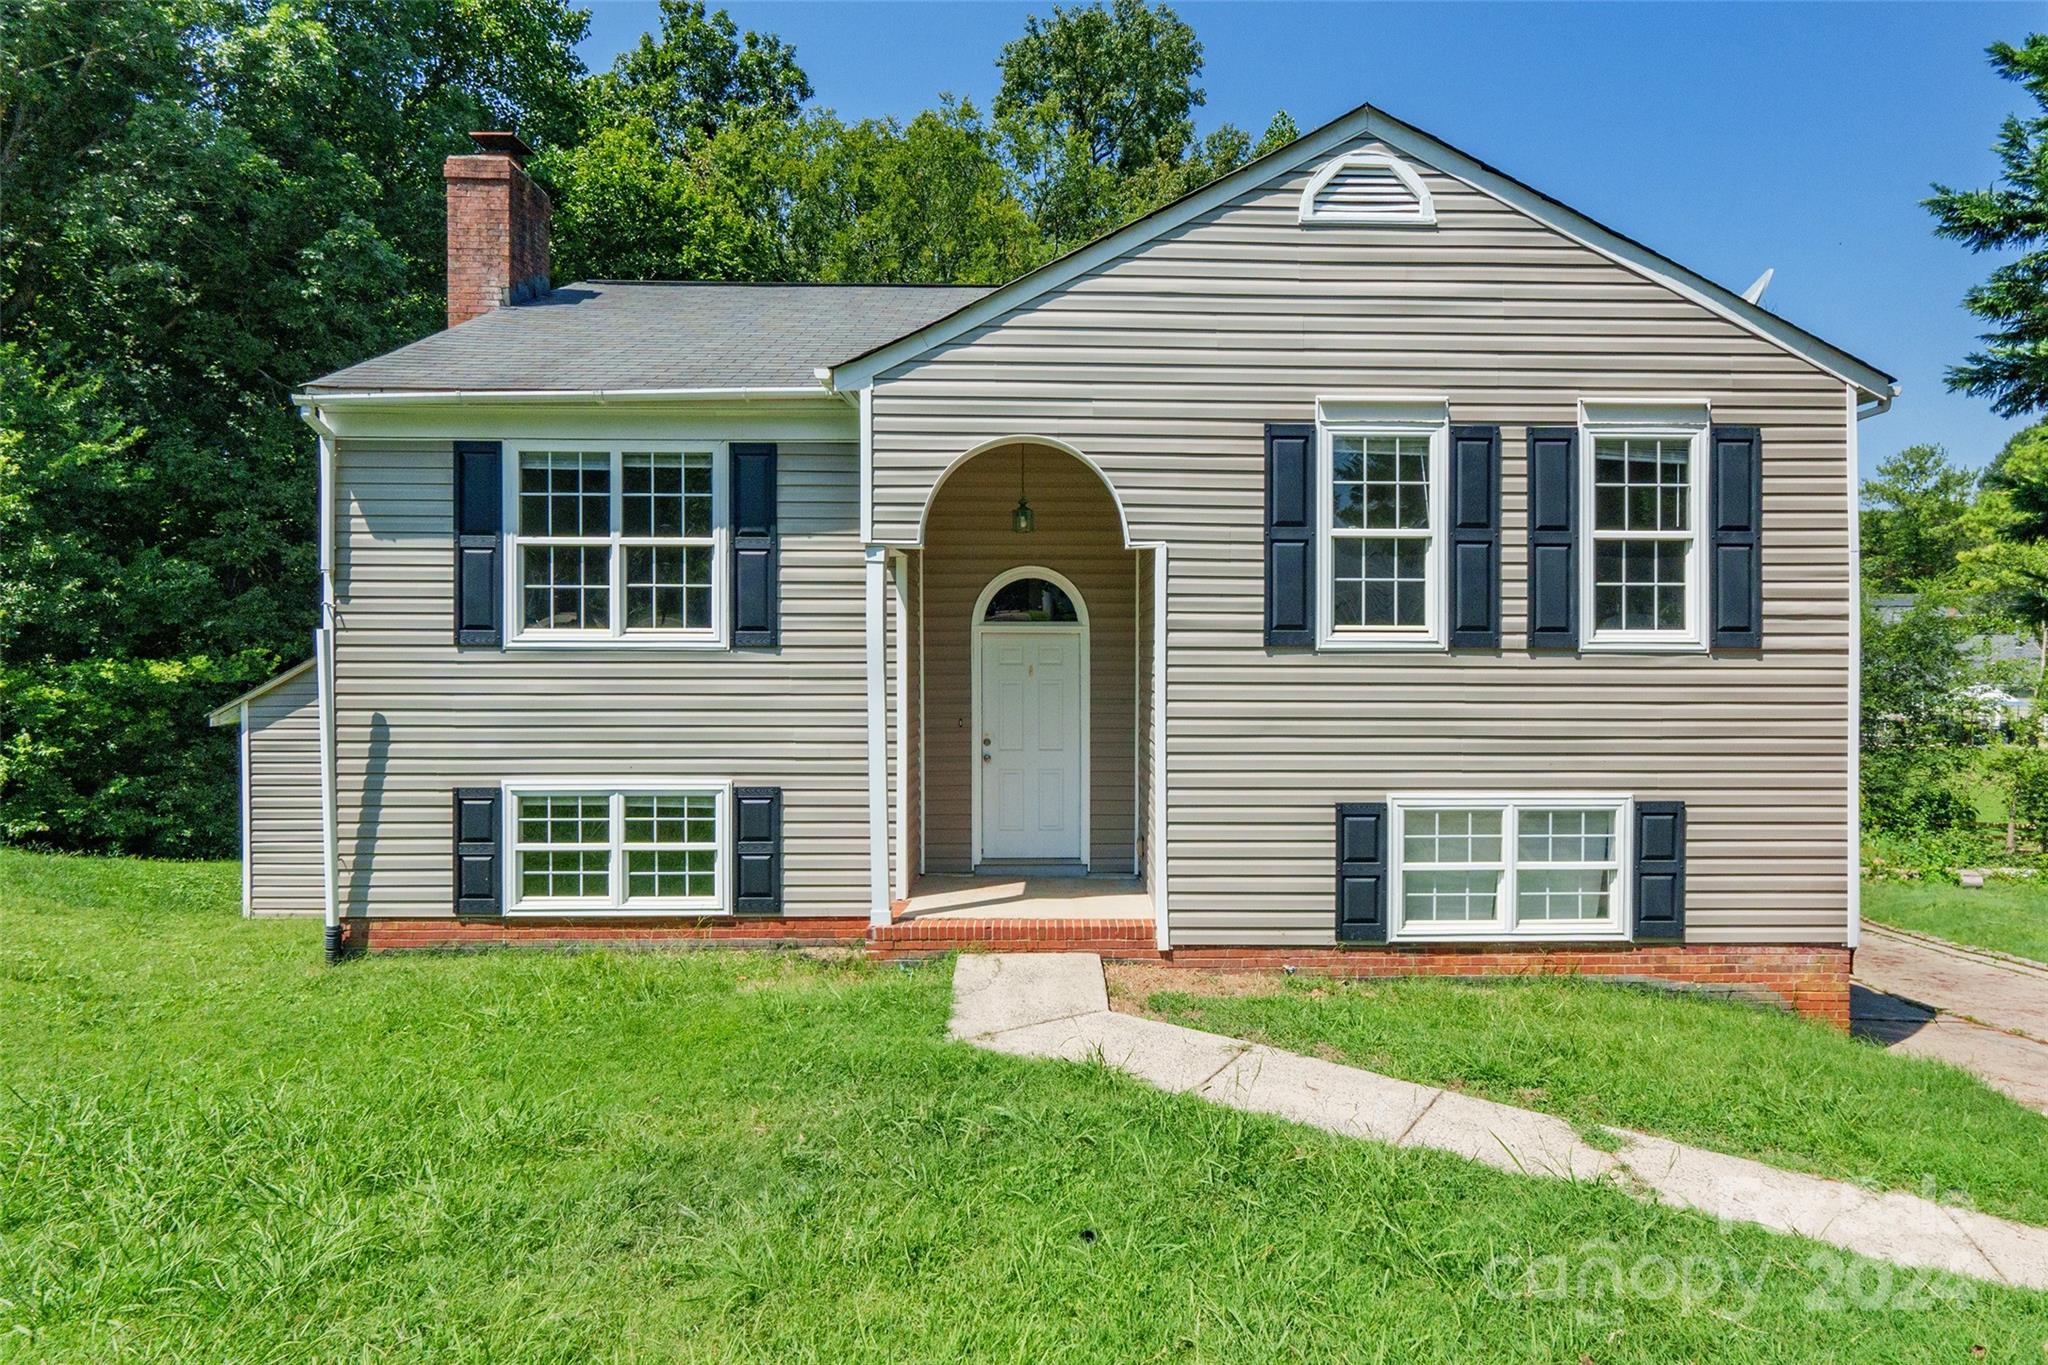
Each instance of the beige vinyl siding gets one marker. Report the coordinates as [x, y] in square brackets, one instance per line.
[969, 541]
[415, 717]
[283, 781]
[1162, 367]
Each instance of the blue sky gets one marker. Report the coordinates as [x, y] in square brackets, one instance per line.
[1732, 137]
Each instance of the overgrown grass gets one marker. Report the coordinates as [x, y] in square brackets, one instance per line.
[2004, 916]
[1732, 1077]
[214, 1148]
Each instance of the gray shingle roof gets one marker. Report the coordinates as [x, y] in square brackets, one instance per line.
[615, 336]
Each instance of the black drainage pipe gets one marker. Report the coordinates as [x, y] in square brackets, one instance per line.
[334, 952]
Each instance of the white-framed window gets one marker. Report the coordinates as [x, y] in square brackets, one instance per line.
[621, 543]
[1382, 489]
[1642, 502]
[612, 848]
[1520, 865]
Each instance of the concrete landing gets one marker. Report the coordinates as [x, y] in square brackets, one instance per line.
[1091, 898]
[1056, 1005]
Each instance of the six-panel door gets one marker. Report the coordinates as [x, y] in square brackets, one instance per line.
[1030, 744]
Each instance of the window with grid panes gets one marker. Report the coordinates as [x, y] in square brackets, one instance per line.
[621, 850]
[1532, 866]
[616, 543]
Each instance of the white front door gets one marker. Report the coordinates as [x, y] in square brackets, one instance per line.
[1030, 755]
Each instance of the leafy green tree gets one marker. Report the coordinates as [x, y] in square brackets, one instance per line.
[2020, 771]
[926, 202]
[699, 75]
[1918, 714]
[1096, 116]
[2009, 562]
[692, 143]
[207, 202]
[1917, 519]
[1117, 86]
[626, 210]
[2012, 369]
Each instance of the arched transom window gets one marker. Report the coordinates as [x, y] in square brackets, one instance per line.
[1029, 600]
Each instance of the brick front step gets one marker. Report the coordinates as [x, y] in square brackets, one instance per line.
[1121, 938]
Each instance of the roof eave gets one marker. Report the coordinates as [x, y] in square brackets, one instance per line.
[415, 397]
[229, 712]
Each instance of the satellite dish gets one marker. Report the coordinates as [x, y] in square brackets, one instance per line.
[1755, 293]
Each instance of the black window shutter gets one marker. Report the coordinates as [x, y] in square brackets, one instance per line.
[1553, 537]
[757, 850]
[1660, 871]
[1290, 533]
[479, 586]
[756, 546]
[1736, 511]
[477, 831]
[1362, 872]
[1475, 537]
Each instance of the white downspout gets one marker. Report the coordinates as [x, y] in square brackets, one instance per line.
[323, 670]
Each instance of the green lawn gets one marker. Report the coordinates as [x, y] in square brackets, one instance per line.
[2004, 916]
[1733, 1077]
[212, 1147]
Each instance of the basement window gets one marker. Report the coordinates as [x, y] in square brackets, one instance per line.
[1492, 867]
[618, 850]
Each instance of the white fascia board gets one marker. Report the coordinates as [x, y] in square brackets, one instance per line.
[1366, 121]
[587, 396]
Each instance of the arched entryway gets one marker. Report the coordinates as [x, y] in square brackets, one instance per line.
[1030, 700]
[993, 655]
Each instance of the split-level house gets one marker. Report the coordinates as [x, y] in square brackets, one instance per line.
[1365, 563]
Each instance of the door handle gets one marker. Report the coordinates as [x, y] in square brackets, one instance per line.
[987, 756]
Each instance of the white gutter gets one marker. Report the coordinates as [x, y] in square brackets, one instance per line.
[596, 396]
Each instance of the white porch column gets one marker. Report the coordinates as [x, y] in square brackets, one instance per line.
[878, 737]
[1157, 849]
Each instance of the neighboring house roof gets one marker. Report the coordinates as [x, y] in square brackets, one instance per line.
[610, 336]
[860, 367]
[227, 713]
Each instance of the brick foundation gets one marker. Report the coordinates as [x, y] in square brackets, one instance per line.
[386, 935]
[1813, 980]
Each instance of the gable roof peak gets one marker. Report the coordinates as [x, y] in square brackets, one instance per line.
[1367, 121]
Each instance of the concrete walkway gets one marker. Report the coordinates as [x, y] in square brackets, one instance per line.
[1056, 1005]
[1979, 1011]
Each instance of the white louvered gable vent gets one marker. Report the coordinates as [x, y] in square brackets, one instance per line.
[1366, 187]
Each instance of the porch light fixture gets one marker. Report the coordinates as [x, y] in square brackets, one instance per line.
[1023, 521]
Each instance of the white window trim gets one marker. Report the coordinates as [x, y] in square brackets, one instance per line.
[1366, 415]
[615, 790]
[1423, 214]
[1618, 928]
[1686, 418]
[717, 636]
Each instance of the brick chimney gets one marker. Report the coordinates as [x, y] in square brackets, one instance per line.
[497, 228]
